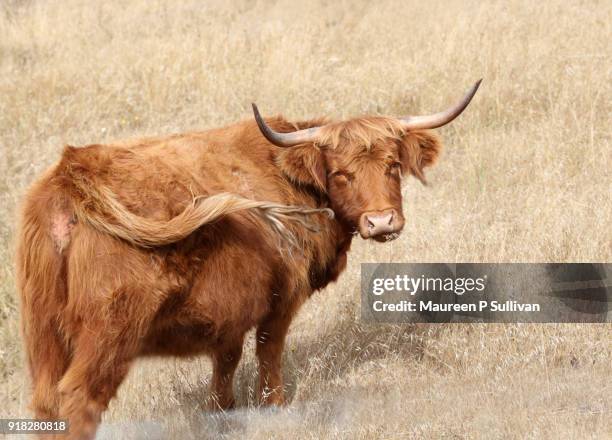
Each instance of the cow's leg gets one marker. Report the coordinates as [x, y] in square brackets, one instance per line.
[48, 362]
[270, 344]
[99, 364]
[225, 361]
[40, 279]
[109, 339]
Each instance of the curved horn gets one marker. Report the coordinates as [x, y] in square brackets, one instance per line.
[285, 139]
[443, 117]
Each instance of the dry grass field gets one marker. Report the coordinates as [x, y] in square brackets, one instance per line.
[525, 177]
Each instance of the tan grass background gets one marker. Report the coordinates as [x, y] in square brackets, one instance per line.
[526, 177]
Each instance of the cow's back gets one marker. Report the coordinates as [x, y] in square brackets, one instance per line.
[157, 178]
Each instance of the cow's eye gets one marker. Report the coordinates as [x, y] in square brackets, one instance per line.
[395, 167]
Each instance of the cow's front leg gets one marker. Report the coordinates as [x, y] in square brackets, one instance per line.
[225, 361]
[270, 344]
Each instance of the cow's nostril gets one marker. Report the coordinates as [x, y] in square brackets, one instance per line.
[390, 218]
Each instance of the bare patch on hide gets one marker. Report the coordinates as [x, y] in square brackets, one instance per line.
[62, 224]
[243, 184]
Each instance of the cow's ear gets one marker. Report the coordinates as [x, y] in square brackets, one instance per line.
[304, 164]
[419, 149]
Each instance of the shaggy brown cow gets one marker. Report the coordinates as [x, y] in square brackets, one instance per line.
[165, 246]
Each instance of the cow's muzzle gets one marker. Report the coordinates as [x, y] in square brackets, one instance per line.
[382, 225]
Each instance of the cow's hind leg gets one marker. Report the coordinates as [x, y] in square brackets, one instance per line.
[47, 365]
[225, 361]
[104, 349]
[41, 283]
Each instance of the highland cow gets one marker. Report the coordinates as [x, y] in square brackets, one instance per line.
[179, 245]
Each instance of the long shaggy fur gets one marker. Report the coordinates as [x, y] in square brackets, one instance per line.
[360, 132]
[101, 204]
[170, 246]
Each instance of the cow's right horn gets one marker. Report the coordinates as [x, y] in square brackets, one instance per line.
[285, 139]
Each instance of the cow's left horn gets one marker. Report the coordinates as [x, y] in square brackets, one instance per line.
[441, 118]
[285, 139]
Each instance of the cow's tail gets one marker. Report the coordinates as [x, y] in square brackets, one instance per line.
[100, 207]
[42, 289]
